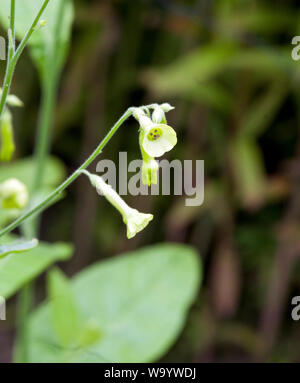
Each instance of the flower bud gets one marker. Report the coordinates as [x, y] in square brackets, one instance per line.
[158, 116]
[166, 107]
[7, 137]
[14, 194]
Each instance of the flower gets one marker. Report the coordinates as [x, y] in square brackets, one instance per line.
[14, 194]
[159, 139]
[134, 220]
[149, 171]
[156, 138]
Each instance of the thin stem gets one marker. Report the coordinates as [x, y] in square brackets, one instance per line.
[12, 21]
[23, 308]
[45, 203]
[11, 63]
[30, 31]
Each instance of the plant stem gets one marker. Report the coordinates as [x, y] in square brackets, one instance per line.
[12, 62]
[45, 203]
[23, 309]
[25, 297]
[30, 227]
[12, 21]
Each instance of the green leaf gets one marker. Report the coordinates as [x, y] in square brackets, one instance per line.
[249, 172]
[64, 311]
[190, 71]
[18, 269]
[17, 247]
[89, 333]
[24, 170]
[48, 44]
[139, 302]
[260, 114]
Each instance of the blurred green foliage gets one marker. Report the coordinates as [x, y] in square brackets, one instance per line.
[227, 67]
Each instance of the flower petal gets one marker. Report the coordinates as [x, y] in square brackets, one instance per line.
[136, 222]
[165, 143]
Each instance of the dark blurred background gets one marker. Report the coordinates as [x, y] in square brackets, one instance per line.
[227, 68]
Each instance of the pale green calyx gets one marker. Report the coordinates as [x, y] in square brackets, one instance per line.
[14, 194]
[134, 220]
[7, 136]
[158, 138]
[149, 171]
[6, 126]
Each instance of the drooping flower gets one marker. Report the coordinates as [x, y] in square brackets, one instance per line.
[14, 194]
[134, 220]
[156, 138]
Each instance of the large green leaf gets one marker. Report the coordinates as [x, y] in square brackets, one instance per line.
[139, 301]
[64, 311]
[48, 44]
[24, 170]
[18, 269]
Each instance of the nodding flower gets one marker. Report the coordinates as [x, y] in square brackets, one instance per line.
[14, 194]
[155, 138]
[134, 220]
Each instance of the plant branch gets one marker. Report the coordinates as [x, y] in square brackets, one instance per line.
[12, 21]
[45, 203]
[12, 61]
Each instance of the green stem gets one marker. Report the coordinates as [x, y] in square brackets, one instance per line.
[11, 63]
[45, 203]
[12, 21]
[13, 57]
[23, 309]
[30, 227]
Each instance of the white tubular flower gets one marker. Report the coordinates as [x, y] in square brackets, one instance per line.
[14, 194]
[134, 220]
[157, 138]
